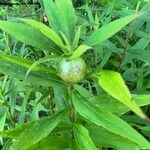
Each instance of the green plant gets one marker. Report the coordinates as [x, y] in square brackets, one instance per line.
[76, 122]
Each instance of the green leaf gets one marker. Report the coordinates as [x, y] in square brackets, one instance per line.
[108, 103]
[96, 21]
[66, 41]
[84, 92]
[89, 14]
[39, 130]
[17, 67]
[50, 58]
[51, 143]
[68, 13]
[15, 132]
[29, 35]
[107, 120]
[105, 138]
[76, 38]
[108, 30]
[79, 51]
[50, 33]
[3, 115]
[55, 18]
[59, 97]
[142, 43]
[114, 85]
[142, 100]
[7, 145]
[146, 130]
[143, 55]
[82, 138]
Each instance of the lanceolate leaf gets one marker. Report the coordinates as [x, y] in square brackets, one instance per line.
[143, 55]
[108, 30]
[50, 33]
[76, 38]
[142, 99]
[104, 137]
[82, 138]
[39, 130]
[79, 51]
[109, 103]
[3, 115]
[51, 143]
[68, 13]
[56, 20]
[52, 58]
[17, 67]
[15, 132]
[29, 35]
[84, 92]
[107, 120]
[114, 85]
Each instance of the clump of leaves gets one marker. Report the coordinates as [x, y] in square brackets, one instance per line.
[77, 121]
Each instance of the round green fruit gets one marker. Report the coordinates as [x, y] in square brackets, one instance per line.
[72, 71]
